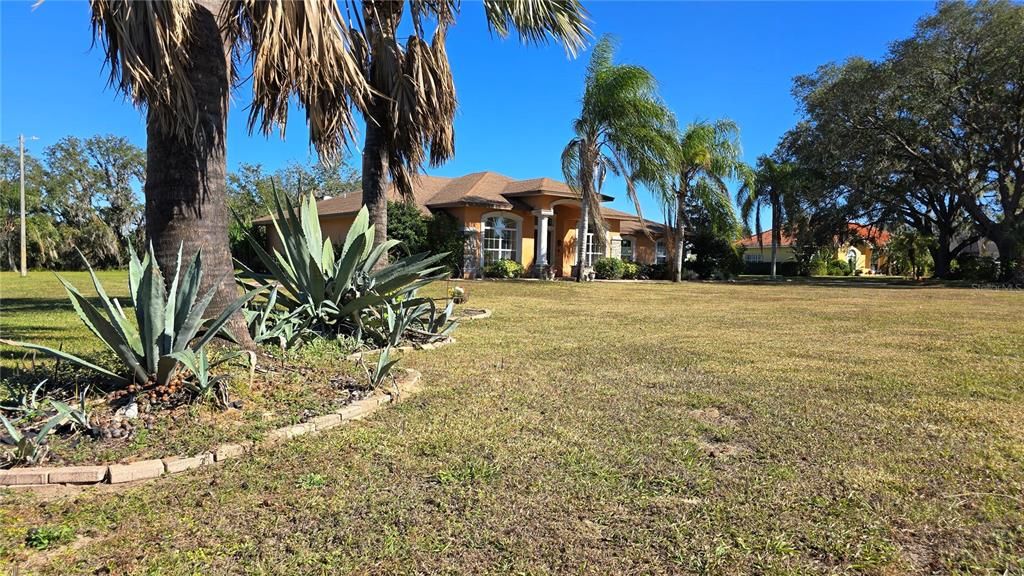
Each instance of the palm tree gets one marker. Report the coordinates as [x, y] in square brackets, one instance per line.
[708, 154]
[624, 128]
[410, 112]
[174, 59]
[772, 181]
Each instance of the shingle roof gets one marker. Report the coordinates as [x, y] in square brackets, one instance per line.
[479, 188]
[632, 226]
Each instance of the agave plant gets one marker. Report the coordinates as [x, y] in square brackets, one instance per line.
[417, 319]
[269, 322]
[202, 383]
[336, 292]
[167, 321]
[29, 448]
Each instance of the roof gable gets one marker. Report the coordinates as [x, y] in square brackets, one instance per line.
[479, 188]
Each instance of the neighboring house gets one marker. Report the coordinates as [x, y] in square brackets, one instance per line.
[530, 221]
[864, 245]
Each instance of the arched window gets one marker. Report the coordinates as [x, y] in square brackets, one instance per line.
[501, 238]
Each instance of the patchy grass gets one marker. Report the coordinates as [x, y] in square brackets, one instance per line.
[625, 428]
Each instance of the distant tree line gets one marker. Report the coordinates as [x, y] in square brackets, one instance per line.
[80, 194]
[927, 142]
[83, 194]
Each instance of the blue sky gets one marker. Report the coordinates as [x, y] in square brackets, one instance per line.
[712, 60]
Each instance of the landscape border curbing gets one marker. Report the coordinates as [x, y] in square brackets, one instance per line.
[45, 476]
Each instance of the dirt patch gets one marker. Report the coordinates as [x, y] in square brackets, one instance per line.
[713, 416]
[46, 557]
[723, 450]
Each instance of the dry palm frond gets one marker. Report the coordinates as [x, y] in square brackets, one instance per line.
[299, 48]
[417, 103]
[536, 20]
[413, 92]
[145, 46]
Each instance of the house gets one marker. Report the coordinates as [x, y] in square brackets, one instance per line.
[862, 244]
[530, 221]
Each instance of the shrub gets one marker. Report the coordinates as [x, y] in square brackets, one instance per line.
[418, 232]
[818, 267]
[329, 293]
[630, 270]
[652, 271]
[838, 267]
[504, 269]
[716, 257]
[407, 225]
[444, 235]
[765, 268]
[977, 268]
[609, 268]
[166, 323]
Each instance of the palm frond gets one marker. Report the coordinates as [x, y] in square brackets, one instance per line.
[299, 48]
[538, 20]
[145, 47]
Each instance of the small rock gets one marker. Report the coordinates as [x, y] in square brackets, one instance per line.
[131, 412]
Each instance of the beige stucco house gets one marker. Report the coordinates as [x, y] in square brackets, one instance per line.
[530, 221]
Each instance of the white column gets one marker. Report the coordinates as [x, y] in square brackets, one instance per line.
[543, 239]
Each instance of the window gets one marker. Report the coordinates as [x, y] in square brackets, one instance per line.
[501, 239]
[627, 250]
[592, 251]
[660, 253]
[753, 257]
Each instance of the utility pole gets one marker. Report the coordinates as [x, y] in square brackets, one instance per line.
[24, 265]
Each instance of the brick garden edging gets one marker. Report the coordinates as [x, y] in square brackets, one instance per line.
[39, 476]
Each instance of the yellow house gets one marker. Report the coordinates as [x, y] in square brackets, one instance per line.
[530, 221]
[862, 246]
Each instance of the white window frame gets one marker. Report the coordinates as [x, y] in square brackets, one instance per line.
[632, 249]
[660, 252]
[753, 257]
[510, 249]
[590, 255]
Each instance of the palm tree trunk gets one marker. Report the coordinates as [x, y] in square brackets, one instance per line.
[680, 247]
[382, 19]
[587, 182]
[776, 232]
[581, 236]
[374, 181]
[185, 189]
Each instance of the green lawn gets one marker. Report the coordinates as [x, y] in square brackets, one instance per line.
[615, 428]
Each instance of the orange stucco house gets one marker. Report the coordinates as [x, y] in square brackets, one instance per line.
[530, 221]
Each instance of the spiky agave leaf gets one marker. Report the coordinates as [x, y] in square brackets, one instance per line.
[67, 357]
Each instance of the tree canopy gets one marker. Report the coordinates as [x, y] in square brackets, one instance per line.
[931, 136]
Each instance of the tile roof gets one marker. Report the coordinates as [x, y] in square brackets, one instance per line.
[872, 234]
